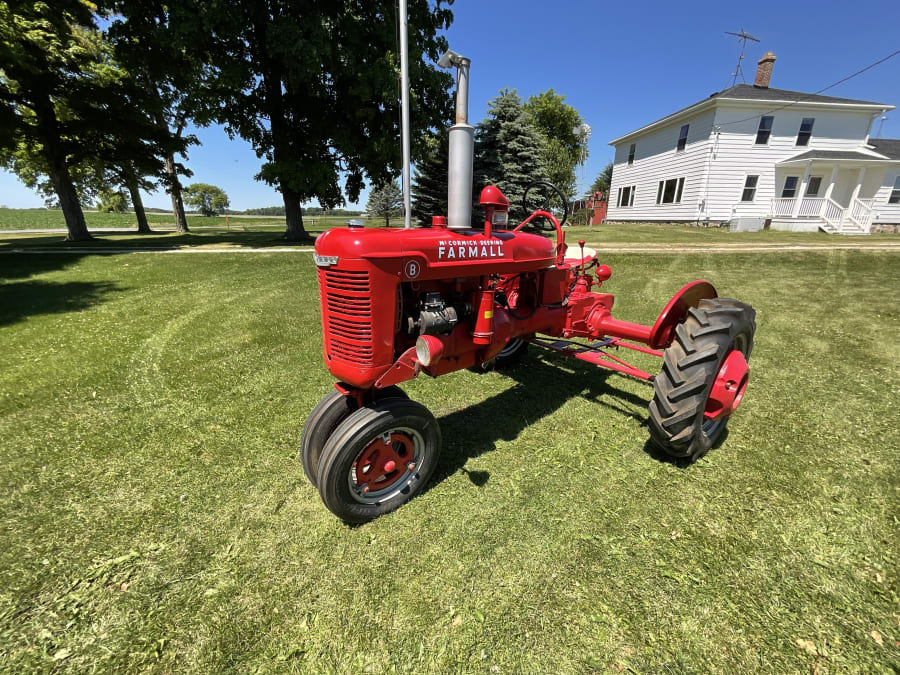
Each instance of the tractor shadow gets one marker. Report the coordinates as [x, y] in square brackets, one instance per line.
[543, 386]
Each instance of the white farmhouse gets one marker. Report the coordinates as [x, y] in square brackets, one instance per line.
[752, 154]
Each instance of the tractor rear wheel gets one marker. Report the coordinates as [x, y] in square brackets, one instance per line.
[703, 377]
[512, 353]
[378, 458]
[323, 420]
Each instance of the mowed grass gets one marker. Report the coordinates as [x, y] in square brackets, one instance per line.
[154, 516]
[45, 219]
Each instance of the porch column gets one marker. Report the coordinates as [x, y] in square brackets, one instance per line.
[801, 190]
[831, 181]
[828, 191]
[859, 180]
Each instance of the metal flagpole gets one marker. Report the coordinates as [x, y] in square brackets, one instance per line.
[404, 105]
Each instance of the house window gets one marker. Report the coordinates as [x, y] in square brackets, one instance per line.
[895, 193]
[749, 188]
[626, 196]
[790, 187]
[765, 130]
[805, 131]
[631, 150]
[682, 138]
[813, 187]
[669, 191]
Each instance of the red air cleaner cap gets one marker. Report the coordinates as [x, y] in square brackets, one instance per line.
[491, 196]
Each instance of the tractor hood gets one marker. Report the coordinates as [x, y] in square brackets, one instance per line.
[436, 252]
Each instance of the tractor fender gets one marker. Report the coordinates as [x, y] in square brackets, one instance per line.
[663, 331]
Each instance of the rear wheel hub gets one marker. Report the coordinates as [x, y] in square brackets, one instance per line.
[729, 386]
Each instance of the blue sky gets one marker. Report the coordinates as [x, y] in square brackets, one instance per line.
[621, 65]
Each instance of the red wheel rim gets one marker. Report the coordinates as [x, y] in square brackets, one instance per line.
[383, 462]
[729, 386]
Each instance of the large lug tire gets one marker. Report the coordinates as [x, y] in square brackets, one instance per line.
[324, 419]
[710, 332]
[377, 459]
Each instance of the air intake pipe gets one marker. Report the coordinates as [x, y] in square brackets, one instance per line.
[462, 148]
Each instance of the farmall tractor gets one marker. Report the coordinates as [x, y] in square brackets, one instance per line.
[397, 303]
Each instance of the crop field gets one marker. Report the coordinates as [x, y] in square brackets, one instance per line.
[154, 516]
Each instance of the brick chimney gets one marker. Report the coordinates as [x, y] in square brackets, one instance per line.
[764, 70]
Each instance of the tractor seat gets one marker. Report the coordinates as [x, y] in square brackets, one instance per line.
[573, 255]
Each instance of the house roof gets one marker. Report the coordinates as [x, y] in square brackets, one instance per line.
[832, 155]
[750, 92]
[889, 147]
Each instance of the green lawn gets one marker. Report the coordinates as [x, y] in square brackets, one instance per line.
[42, 219]
[154, 517]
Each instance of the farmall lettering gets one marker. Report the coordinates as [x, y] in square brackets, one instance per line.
[465, 249]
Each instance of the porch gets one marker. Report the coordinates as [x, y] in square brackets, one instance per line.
[832, 191]
[824, 213]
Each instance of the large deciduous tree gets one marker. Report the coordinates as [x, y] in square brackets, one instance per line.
[76, 120]
[563, 149]
[508, 151]
[163, 45]
[46, 63]
[314, 87]
[207, 199]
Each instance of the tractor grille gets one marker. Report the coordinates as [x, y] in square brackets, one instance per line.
[348, 324]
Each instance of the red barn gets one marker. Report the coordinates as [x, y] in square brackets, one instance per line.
[596, 202]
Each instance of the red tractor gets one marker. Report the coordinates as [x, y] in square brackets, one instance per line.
[400, 302]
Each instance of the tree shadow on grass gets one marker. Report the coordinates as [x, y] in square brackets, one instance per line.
[23, 299]
[543, 386]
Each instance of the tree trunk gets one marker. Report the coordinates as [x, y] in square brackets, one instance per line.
[59, 171]
[294, 216]
[175, 192]
[387, 220]
[68, 202]
[140, 214]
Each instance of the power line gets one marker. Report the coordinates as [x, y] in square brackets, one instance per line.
[816, 93]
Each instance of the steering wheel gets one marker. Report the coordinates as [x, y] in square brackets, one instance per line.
[541, 201]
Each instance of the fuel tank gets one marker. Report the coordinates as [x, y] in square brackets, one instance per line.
[436, 253]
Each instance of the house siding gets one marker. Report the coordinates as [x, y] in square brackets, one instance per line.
[656, 159]
[722, 152]
[736, 154]
[882, 212]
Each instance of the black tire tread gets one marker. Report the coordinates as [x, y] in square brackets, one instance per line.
[690, 365]
[351, 436]
[333, 409]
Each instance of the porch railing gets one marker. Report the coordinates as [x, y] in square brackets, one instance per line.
[783, 206]
[833, 213]
[861, 213]
[811, 207]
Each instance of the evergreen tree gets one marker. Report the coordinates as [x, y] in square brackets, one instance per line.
[429, 189]
[386, 202]
[508, 153]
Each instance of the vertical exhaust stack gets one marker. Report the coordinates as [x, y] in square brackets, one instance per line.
[462, 148]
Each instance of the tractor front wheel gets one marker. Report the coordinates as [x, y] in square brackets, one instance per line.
[323, 420]
[703, 378]
[377, 459]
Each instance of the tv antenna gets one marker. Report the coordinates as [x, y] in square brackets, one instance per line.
[743, 37]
